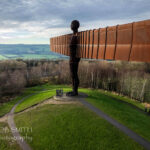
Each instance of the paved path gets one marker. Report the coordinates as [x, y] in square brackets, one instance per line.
[127, 131]
[16, 134]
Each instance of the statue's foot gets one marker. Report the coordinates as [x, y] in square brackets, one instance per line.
[68, 93]
[72, 93]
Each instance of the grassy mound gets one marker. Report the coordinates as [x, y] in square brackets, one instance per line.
[72, 127]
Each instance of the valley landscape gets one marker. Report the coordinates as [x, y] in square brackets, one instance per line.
[28, 51]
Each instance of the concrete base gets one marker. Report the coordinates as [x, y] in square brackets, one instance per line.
[70, 98]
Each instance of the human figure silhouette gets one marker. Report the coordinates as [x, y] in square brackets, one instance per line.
[74, 59]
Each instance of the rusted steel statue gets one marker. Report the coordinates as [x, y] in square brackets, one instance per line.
[74, 60]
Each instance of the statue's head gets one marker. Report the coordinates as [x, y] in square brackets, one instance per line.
[75, 25]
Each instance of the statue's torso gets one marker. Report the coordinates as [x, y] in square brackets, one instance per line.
[73, 49]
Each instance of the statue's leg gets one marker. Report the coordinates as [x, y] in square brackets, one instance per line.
[76, 78]
[72, 74]
[71, 93]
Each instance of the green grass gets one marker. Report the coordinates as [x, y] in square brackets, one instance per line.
[35, 99]
[122, 112]
[71, 127]
[6, 107]
[9, 143]
[109, 103]
[2, 57]
[124, 98]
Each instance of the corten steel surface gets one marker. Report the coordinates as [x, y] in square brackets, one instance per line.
[111, 43]
[141, 42]
[91, 40]
[95, 44]
[80, 47]
[87, 43]
[129, 42]
[66, 51]
[102, 43]
[54, 44]
[65, 47]
[57, 44]
[124, 42]
[59, 49]
[84, 45]
[62, 45]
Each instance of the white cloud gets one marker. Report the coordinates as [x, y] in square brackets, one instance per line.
[38, 20]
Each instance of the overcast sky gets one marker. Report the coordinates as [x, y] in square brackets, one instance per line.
[35, 21]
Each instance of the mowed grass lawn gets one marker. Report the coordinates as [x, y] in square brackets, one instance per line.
[39, 97]
[71, 127]
[6, 107]
[7, 142]
[122, 112]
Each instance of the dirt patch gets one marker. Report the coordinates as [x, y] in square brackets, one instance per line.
[50, 101]
[4, 118]
[147, 105]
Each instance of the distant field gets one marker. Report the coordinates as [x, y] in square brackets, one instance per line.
[27, 51]
[2, 57]
[28, 56]
[10, 56]
[35, 56]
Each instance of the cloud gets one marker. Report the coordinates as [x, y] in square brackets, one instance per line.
[42, 19]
